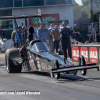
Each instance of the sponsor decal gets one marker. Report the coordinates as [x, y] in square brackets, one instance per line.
[44, 66]
[49, 67]
[45, 18]
[84, 52]
[75, 53]
[31, 61]
[37, 58]
[38, 65]
[93, 55]
[30, 58]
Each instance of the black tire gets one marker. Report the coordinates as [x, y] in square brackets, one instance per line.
[82, 62]
[56, 66]
[10, 66]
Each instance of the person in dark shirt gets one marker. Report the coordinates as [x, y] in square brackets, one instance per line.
[18, 37]
[24, 35]
[73, 31]
[24, 32]
[2, 34]
[78, 37]
[66, 41]
[31, 32]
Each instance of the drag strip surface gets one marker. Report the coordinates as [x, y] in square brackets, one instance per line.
[66, 88]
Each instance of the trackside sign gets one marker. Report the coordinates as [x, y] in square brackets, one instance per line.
[90, 53]
[45, 18]
[93, 54]
[84, 52]
[75, 53]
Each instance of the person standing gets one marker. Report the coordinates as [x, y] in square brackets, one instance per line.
[66, 41]
[24, 35]
[13, 37]
[49, 36]
[78, 36]
[30, 34]
[73, 31]
[18, 36]
[24, 32]
[2, 34]
[55, 35]
[42, 33]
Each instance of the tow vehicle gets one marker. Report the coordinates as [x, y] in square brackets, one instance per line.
[5, 44]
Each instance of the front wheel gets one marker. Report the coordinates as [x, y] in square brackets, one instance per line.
[56, 66]
[83, 72]
[83, 63]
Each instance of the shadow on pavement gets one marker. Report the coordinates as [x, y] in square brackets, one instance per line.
[63, 78]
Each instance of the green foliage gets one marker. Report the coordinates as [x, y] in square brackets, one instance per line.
[81, 12]
[96, 17]
[85, 12]
[85, 2]
[77, 11]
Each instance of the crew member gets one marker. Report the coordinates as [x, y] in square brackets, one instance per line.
[78, 37]
[18, 37]
[24, 35]
[49, 36]
[31, 32]
[13, 37]
[55, 35]
[73, 31]
[2, 34]
[42, 33]
[66, 41]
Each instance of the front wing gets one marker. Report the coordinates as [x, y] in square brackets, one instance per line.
[73, 68]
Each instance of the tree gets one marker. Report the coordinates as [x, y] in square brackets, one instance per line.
[85, 2]
[83, 11]
[77, 11]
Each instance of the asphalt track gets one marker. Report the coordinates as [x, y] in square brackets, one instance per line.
[66, 88]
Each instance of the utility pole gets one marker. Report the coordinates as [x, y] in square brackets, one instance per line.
[91, 9]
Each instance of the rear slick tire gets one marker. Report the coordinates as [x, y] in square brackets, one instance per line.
[10, 66]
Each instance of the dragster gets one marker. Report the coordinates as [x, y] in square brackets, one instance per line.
[38, 57]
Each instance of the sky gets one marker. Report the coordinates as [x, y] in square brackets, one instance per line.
[79, 2]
